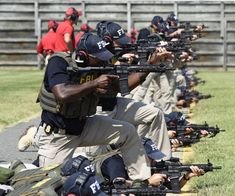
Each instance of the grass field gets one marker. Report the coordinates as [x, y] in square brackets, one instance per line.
[19, 88]
[220, 150]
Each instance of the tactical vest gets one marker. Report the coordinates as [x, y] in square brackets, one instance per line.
[82, 107]
[40, 181]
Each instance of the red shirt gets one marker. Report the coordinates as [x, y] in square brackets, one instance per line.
[78, 37]
[47, 43]
[63, 28]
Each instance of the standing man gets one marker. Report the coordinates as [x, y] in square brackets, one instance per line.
[46, 47]
[65, 41]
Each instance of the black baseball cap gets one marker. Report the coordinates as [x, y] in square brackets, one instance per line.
[152, 150]
[156, 20]
[94, 45]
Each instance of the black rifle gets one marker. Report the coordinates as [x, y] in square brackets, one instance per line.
[190, 96]
[174, 169]
[188, 140]
[122, 71]
[187, 24]
[176, 127]
[145, 47]
[151, 191]
[180, 130]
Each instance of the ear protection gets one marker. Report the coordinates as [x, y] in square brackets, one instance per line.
[52, 25]
[72, 13]
[55, 25]
[103, 32]
[81, 55]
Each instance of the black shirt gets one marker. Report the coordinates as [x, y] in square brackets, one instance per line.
[56, 73]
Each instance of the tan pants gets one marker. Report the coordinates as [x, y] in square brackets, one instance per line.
[155, 90]
[98, 130]
[158, 91]
[148, 120]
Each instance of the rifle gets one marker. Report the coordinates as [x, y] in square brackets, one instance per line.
[144, 49]
[174, 170]
[180, 130]
[188, 140]
[187, 24]
[154, 191]
[190, 96]
[183, 127]
[122, 71]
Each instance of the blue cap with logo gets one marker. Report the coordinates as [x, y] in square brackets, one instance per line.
[77, 164]
[82, 184]
[112, 30]
[176, 118]
[117, 33]
[94, 45]
[82, 180]
[152, 150]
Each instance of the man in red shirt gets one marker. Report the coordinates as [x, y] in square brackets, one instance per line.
[46, 47]
[65, 41]
[84, 28]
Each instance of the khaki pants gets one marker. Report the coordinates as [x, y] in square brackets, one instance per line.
[140, 92]
[159, 92]
[148, 120]
[98, 130]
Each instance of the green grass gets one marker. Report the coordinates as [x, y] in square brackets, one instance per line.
[218, 110]
[18, 90]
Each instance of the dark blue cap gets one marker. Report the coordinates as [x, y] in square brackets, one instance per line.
[156, 20]
[82, 184]
[114, 31]
[77, 164]
[175, 117]
[94, 45]
[172, 17]
[117, 33]
[152, 150]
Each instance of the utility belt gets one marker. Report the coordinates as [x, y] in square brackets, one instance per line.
[48, 129]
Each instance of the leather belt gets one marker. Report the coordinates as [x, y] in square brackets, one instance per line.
[50, 129]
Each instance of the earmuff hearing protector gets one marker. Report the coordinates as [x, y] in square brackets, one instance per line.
[55, 25]
[103, 32]
[81, 55]
[72, 13]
